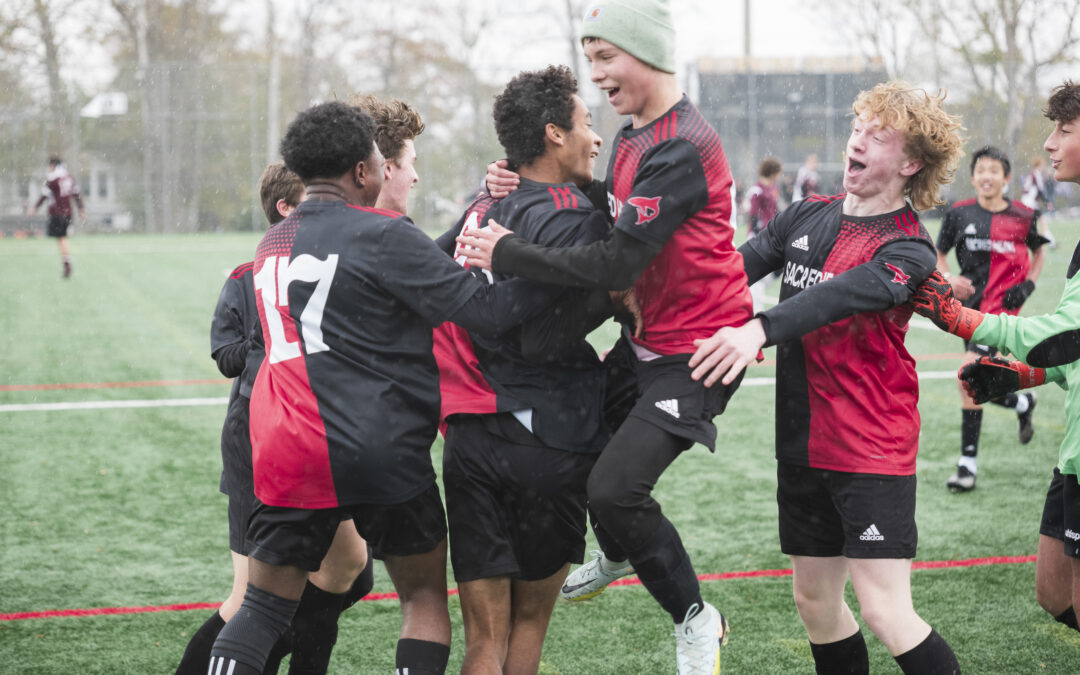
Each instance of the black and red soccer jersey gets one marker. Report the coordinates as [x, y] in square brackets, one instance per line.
[235, 317]
[992, 249]
[846, 388]
[346, 403]
[480, 375]
[671, 186]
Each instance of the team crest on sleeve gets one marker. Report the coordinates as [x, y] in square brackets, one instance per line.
[900, 277]
[648, 208]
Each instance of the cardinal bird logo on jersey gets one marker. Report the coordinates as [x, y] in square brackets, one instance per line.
[648, 208]
[900, 277]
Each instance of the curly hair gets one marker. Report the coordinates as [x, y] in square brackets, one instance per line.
[277, 182]
[327, 140]
[527, 105]
[395, 123]
[993, 153]
[1064, 103]
[931, 136]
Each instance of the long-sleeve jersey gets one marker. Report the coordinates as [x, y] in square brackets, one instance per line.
[346, 403]
[992, 249]
[671, 197]
[846, 388]
[1051, 341]
[564, 389]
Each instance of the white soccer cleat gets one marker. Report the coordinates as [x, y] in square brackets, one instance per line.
[593, 577]
[698, 640]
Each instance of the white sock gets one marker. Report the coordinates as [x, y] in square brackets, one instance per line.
[612, 565]
[1023, 402]
[968, 463]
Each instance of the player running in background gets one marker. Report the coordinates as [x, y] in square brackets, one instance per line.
[671, 195]
[1047, 347]
[60, 190]
[346, 574]
[345, 404]
[992, 236]
[524, 413]
[847, 421]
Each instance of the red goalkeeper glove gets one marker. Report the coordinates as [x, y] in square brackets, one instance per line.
[934, 299]
[990, 377]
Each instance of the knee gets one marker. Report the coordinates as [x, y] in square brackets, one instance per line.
[605, 496]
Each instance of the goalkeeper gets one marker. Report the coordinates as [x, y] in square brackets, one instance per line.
[1048, 348]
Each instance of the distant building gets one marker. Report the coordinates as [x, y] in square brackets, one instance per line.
[789, 108]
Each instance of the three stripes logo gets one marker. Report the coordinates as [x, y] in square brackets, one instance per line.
[871, 534]
[670, 406]
[802, 243]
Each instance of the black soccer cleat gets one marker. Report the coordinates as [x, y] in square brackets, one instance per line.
[961, 481]
[67, 270]
[1025, 427]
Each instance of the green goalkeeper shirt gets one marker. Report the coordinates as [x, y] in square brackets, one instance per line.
[1020, 335]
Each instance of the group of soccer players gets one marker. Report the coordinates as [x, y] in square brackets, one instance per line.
[355, 336]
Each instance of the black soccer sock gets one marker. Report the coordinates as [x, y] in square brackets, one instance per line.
[247, 639]
[843, 657]
[970, 426]
[314, 630]
[932, 656]
[664, 567]
[363, 584]
[280, 650]
[1068, 617]
[421, 657]
[197, 655]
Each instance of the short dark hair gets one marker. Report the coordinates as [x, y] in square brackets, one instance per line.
[527, 105]
[1064, 103]
[769, 167]
[327, 140]
[277, 182]
[55, 160]
[395, 123]
[993, 153]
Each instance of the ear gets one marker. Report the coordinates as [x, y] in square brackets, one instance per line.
[283, 207]
[910, 168]
[554, 134]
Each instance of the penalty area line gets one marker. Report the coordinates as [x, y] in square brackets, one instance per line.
[374, 597]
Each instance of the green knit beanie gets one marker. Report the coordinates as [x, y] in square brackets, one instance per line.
[643, 28]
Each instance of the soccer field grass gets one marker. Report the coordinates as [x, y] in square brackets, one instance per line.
[117, 506]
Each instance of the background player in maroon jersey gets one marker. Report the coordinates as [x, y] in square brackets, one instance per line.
[763, 201]
[992, 236]
[671, 196]
[806, 179]
[524, 413]
[846, 394]
[60, 190]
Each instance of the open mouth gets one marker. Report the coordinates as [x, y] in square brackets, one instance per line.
[855, 166]
[611, 93]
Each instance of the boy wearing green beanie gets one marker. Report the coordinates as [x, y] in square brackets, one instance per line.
[671, 198]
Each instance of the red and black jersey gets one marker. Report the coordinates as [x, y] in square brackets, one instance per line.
[346, 403]
[671, 186]
[992, 249]
[846, 388]
[482, 375]
[235, 318]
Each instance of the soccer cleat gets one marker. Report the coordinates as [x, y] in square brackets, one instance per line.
[698, 640]
[592, 578]
[67, 270]
[1025, 427]
[961, 481]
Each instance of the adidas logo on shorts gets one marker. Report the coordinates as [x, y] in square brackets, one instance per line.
[802, 243]
[872, 534]
[670, 406]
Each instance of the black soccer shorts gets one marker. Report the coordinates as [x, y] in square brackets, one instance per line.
[237, 480]
[1061, 512]
[515, 507]
[58, 226]
[827, 513]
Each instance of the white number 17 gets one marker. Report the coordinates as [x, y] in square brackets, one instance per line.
[272, 285]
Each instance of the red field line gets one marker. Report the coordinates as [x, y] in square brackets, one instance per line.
[110, 385]
[371, 597]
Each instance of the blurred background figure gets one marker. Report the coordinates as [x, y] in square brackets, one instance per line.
[1038, 194]
[806, 180]
[60, 189]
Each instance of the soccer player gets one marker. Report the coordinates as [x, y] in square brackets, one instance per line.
[847, 422]
[1047, 347]
[60, 190]
[806, 179]
[524, 421]
[345, 404]
[671, 197]
[763, 201]
[397, 126]
[992, 236]
[346, 574]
